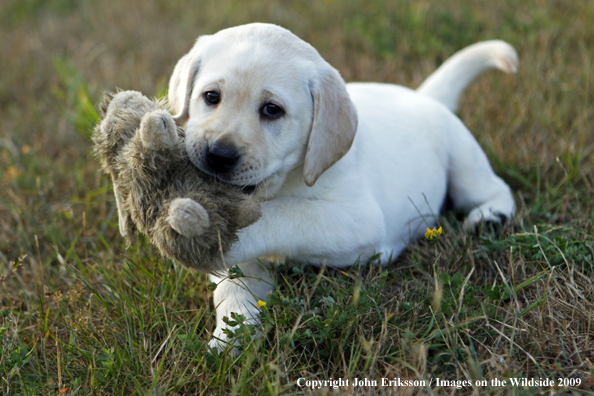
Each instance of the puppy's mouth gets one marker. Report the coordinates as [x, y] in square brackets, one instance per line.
[225, 179]
[249, 190]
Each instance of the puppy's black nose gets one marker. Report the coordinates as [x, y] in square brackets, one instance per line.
[222, 157]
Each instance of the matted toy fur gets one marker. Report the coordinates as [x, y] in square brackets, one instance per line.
[187, 214]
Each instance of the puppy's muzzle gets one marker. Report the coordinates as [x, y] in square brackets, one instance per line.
[222, 158]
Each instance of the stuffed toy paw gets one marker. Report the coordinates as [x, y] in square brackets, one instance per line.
[190, 216]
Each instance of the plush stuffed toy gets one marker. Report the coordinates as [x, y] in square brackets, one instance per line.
[187, 214]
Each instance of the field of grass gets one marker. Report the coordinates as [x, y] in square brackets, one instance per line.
[80, 314]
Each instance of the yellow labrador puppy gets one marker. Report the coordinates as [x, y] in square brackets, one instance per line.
[344, 171]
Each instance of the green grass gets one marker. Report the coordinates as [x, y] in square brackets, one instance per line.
[81, 314]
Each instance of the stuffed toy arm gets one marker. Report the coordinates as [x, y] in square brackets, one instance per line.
[159, 132]
[153, 145]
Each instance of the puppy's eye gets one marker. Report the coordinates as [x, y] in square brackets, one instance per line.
[270, 110]
[212, 97]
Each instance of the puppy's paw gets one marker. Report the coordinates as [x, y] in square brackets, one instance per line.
[479, 220]
[222, 342]
[158, 130]
[188, 217]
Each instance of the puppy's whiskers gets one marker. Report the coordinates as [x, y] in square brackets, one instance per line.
[249, 188]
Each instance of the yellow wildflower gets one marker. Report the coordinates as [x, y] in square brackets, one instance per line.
[261, 304]
[11, 173]
[433, 234]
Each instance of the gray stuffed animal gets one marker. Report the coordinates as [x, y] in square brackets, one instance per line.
[188, 215]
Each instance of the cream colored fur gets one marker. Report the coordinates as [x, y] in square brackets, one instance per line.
[348, 171]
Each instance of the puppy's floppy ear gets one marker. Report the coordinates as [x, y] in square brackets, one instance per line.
[334, 123]
[181, 86]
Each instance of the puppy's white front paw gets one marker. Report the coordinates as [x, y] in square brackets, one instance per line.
[234, 331]
[158, 130]
[221, 340]
[188, 217]
[218, 342]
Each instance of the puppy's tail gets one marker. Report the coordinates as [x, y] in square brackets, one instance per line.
[447, 83]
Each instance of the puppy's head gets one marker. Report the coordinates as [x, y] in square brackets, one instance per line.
[257, 103]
